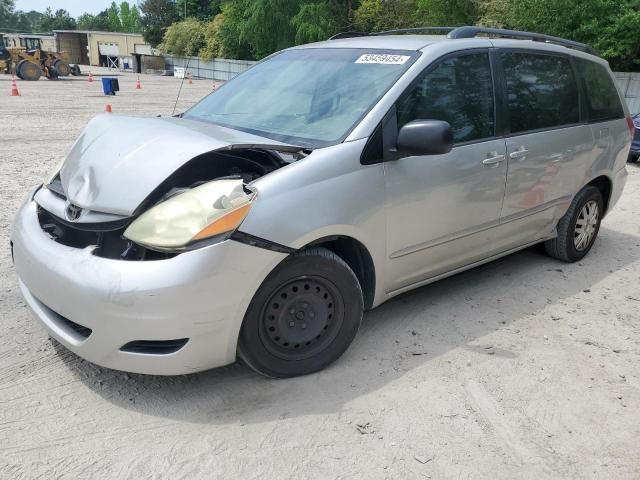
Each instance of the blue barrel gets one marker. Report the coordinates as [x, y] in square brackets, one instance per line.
[110, 85]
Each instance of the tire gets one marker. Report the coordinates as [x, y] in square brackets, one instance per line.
[18, 74]
[303, 317]
[569, 245]
[29, 71]
[75, 70]
[62, 68]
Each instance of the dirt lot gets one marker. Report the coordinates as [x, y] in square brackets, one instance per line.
[525, 368]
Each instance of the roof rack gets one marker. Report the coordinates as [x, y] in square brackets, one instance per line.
[392, 32]
[415, 30]
[471, 32]
[340, 35]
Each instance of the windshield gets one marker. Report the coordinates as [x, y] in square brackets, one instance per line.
[311, 97]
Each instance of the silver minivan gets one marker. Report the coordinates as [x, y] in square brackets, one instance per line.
[325, 180]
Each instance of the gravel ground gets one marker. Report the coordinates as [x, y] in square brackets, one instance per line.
[524, 368]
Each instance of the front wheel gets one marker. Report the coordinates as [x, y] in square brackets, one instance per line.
[579, 227]
[303, 317]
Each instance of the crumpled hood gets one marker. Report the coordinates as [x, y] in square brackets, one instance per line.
[118, 161]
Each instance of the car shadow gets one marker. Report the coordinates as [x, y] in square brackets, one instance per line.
[397, 337]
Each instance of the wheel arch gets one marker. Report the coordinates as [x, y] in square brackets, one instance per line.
[359, 259]
[605, 185]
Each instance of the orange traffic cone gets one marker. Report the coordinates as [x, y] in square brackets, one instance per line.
[90, 77]
[14, 88]
[138, 86]
[107, 109]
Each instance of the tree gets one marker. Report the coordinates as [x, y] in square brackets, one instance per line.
[185, 38]
[200, 9]
[379, 15]
[157, 15]
[60, 20]
[123, 18]
[99, 22]
[610, 26]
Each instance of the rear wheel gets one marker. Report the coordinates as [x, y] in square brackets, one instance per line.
[303, 317]
[62, 68]
[579, 227]
[29, 71]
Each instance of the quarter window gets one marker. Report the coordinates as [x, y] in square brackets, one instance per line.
[541, 91]
[459, 91]
[603, 101]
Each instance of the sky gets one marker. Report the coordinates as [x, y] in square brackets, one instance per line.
[74, 7]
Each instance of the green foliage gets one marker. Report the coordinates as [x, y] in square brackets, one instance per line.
[379, 15]
[99, 22]
[60, 20]
[156, 17]
[316, 21]
[213, 46]
[123, 18]
[200, 9]
[185, 38]
[611, 26]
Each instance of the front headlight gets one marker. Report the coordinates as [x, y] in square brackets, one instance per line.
[203, 212]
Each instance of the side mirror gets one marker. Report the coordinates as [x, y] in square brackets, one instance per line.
[425, 137]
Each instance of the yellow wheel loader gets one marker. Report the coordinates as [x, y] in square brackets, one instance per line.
[31, 63]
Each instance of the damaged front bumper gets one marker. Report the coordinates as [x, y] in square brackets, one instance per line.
[99, 307]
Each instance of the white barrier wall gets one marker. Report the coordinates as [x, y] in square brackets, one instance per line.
[217, 69]
[629, 85]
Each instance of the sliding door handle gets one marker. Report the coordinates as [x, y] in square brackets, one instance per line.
[520, 153]
[495, 159]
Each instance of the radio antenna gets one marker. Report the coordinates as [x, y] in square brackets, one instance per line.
[181, 83]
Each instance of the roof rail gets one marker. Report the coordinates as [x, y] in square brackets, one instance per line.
[391, 32]
[415, 30]
[340, 35]
[471, 32]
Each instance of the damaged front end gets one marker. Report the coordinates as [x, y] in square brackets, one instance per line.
[202, 201]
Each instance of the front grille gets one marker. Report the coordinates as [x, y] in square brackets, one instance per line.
[106, 237]
[154, 347]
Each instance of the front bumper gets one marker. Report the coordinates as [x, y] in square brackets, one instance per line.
[201, 295]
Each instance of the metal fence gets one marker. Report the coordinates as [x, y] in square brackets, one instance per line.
[216, 69]
[629, 85]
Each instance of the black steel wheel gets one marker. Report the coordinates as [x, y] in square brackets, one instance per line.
[303, 317]
[29, 71]
[18, 74]
[62, 68]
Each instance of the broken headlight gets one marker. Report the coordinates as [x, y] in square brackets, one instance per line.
[210, 210]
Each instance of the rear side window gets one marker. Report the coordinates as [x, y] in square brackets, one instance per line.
[603, 101]
[458, 90]
[541, 91]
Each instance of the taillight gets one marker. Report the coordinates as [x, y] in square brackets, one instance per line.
[632, 127]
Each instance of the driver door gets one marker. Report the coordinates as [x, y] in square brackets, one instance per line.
[442, 209]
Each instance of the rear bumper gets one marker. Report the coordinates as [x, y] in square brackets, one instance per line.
[200, 295]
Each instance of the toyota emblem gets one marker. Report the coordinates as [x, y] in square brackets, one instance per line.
[73, 212]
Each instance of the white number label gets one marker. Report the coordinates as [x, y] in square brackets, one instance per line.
[383, 59]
